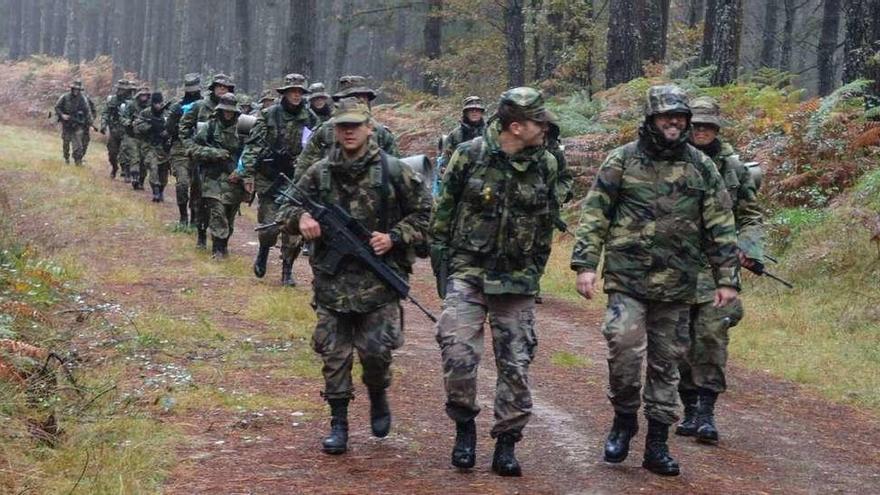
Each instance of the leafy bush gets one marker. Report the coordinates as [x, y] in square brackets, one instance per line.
[577, 114]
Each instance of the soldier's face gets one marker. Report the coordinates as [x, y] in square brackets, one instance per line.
[228, 116]
[74, 91]
[294, 96]
[319, 102]
[143, 98]
[266, 103]
[703, 134]
[220, 90]
[529, 132]
[352, 137]
[671, 125]
[474, 116]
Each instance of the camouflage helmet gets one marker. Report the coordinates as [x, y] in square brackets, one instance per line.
[268, 95]
[318, 90]
[142, 90]
[706, 111]
[222, 80]
[292, 81]
[473, 103]
[667, 98]
[531, 101]
[245, 100]
[351, 110]
[192, 82]
[228, 102]
[353, 86]
[76, 84]
[122, 84]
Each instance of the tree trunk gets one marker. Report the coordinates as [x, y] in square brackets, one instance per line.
[539, 33]
[856, 45]
[553, 39]
[624, 43]
[242, 54]
[433, 42]
[302, 37]
[785, 50]
[726, 41]
[14, 30]
[71, 44]
[696, 9]
[654, 25]
[828, 45]
[706, 54]
[59, 28]
[768, 36]
[47, 8]
[515, 38]
[342, 39]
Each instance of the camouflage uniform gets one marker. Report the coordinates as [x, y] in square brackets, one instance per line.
[465, 130]
[267, 99]
[356, 310]
[317, 91]
[76, 128]
[702, 373]
[110, 120]
[150, 127]
[492, 228]
[324, 139]
[273, 146]
[659, 213]
[131, 153]
[186, 189]
[216, 148]
[87, 136]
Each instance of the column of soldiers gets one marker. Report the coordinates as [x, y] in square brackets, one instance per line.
[673, 214]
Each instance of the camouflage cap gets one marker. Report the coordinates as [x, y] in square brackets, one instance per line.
[121, 84]
[351, 111]
[268, 95]
[228, 102]
[706, 111]
[192, 82]
[245, 100]
[76, 84]
[667, 98]
[143, 90]
[292, 81]
[473, 103]
[222, 80]
[531, 101]
[353, 86]
[318, 90]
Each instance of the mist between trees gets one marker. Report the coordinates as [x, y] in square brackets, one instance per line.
[453, 47]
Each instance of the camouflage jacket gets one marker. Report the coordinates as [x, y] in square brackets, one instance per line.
[746, 212]
[129, 115]
[493, 219]
[78, 108]
[324, 138]
[175, 114]
[198, 111]
[110, 116]
[274, 144]
[656, 220]
[462, 132]
[358, 188]
[565, 190]
[216, 148]
[151, 127]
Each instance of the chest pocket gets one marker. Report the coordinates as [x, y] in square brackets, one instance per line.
[477, 223]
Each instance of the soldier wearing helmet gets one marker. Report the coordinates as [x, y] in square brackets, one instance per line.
[76, 114]
[491, 236]
[110, 120]
[470, 126]
[659, 209]
[319, 102]
[133, 149]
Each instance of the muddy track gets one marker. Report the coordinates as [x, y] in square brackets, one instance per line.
[777, 438]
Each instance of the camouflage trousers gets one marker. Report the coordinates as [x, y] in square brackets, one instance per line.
[221, 217]
[514, 342]
[131, 157]
[156, 162]
[373, 335]
[636, 329]
[114, 142]
[706, 359]
[187, 188]
[290, 244]
[73, 137]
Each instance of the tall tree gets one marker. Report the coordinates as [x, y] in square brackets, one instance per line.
[515, 40]
[71, 44]
[555, 36]
[862, 31]
[706, 54]
[654, 26]
[242, 54]
[790, 8]
[346, 10]
[433, 44]
[696, 10]
[302, 37]
[828, 45]
[15, 21]
[726, 41]
[624, 43]
[768, 35]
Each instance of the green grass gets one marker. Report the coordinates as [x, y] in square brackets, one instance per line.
[565, 359]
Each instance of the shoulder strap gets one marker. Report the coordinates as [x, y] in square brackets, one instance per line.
[276, 116]
[324, 178]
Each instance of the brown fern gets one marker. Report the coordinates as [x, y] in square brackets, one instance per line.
[870, 137]
[810, 106]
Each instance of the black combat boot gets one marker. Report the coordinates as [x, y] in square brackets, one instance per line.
[287, 279]
[504, 461]
[184, 215]
[464, 453]
[155, 190]
[218, 247]
[161, 196]
[623, 429]
[337, 441]
[688, 425]
[193, 215]
[705, 422]
[202, 239]
[657, 459]
[134, 178]
[78, 163]
[380, 413]
[261, 260]
[224, 247]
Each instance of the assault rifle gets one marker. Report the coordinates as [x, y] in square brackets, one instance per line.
[344, 236]
[759, 269]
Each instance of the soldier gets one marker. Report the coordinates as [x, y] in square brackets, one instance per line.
[246, 104]
[110, 120]
[491, 235]
[150, 127]
[657, 207]
[186, 189]
[131, 153]
[268, 99]
[702, 373]
[216, 149]
[87, 136]
[355, 309]
[75, 114]
[201, 111]
[319, 102]
[470, 126]
[273, 146]
[323, 138]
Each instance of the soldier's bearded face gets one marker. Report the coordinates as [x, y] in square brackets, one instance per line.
[671, 125]
[352, 137]
[293, 96]
[703, 134]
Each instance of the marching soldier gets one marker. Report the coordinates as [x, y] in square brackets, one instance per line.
[131, 153]
[75, 114]
[150, 127]
[110, 120]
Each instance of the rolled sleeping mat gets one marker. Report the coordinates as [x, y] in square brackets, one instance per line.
[756, 172]
[421, 165]
[243, 126]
